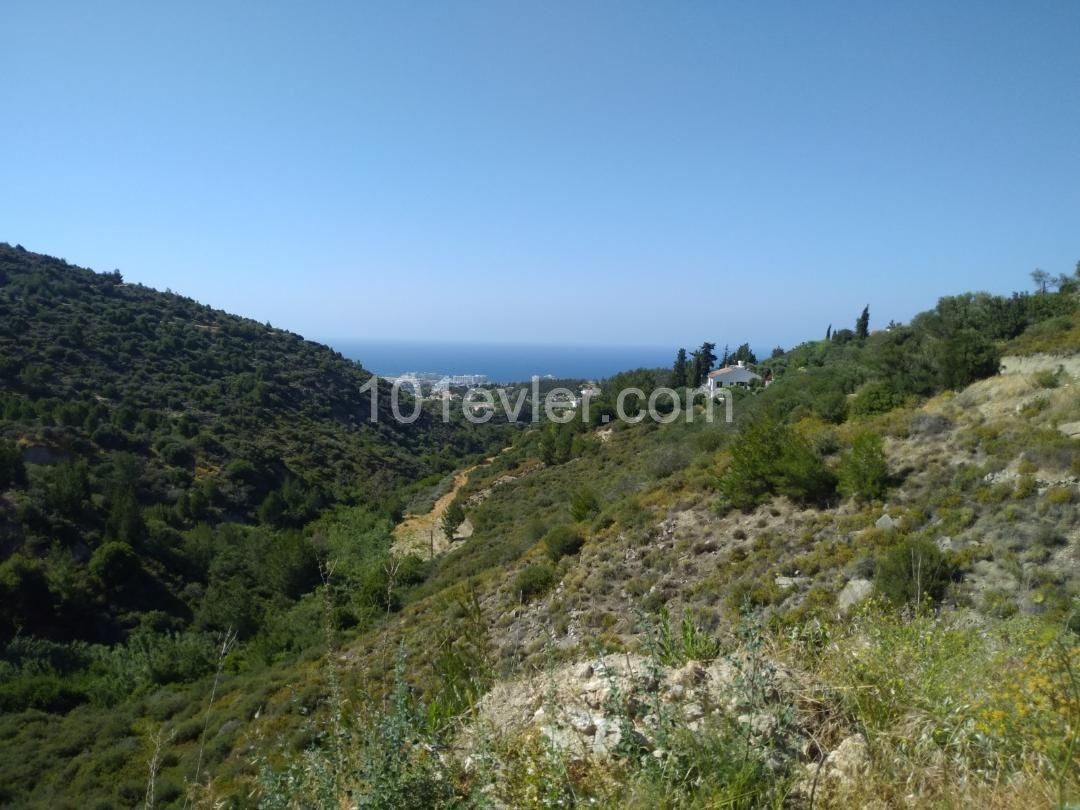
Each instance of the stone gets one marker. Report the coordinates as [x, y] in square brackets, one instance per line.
[886, 523]
[849, 761]
[1070, 429]
[693, 711]
[582, 723]
[584, 671]
[854, 592]
[607, 736]
[690, 674]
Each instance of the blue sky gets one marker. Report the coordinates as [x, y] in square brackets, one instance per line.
[651, 173]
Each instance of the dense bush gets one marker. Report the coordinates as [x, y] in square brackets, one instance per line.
[534, 580]
[768, 458]
[875, 397]
[562, 541]
[863, 469]
[584, 505]
[912, 570]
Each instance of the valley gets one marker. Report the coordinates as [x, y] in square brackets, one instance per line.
[222, 586]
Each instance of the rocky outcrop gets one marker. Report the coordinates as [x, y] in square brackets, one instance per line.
[616, 701]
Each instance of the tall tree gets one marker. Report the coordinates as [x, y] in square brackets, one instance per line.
[1041, 279]
[703, 362]
[744, 354]
[452, 519]
[862, 325]
[679, 370]
[828, 333]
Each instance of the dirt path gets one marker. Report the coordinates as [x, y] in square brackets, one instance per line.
[417, 534]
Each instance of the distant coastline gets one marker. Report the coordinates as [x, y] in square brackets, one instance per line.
[501, 363]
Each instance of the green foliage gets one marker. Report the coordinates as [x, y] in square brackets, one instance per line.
[114, 563]
[701, 364]
[452, 519]
[912, 570]
[875, 397]
[556, 444]
[743, 354]
[12, 469]
[1047, 379]
[767, 459]
[584, 505]
[864, 471]
[965, 357]
[534, 580]
[862, 325]
[150, 658]
[462, 667]
[689, 643]
[680, 371]
[142, 415]
[388, 762]
[562, 541]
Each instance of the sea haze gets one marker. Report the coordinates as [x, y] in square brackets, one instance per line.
[502, 363]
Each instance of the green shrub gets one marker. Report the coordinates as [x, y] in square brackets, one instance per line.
[1026, 486]
[534, 580]
[1059, 496]
[562, 541]
[912, 570]
[584, 504]
[1047, 378]
[47, 692]
[874, 398]
[863, 470]
[768, 458]
[114, 563]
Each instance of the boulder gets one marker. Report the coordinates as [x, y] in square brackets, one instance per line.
[886, 523]
[854, 592]
[1070, 429]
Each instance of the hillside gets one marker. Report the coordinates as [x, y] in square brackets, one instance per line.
[158, 460]
[861, 592]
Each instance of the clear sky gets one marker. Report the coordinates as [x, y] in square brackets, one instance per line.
[662, 172]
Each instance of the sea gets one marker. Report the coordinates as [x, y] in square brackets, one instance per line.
[502, 363]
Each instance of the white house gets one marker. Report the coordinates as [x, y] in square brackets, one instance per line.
[738, 376]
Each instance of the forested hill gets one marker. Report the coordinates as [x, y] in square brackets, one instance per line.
[130, 416]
